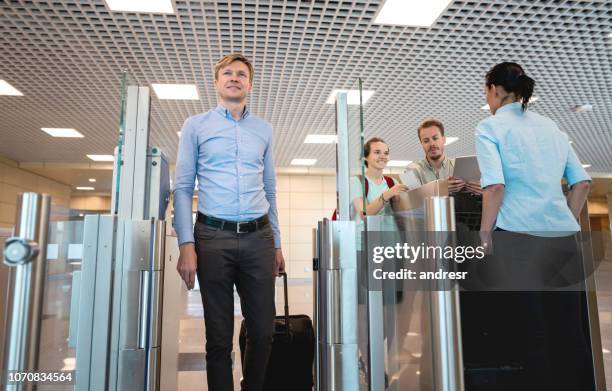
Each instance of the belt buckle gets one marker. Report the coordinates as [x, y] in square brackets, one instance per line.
[238, 230]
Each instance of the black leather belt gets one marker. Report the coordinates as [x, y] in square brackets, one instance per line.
[241, 227]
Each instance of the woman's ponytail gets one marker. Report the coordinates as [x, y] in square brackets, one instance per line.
[512, 77]
[524, 89]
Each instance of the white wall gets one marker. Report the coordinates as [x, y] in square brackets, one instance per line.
[302, 202]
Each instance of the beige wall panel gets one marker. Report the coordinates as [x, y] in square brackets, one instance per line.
[306, 200]
[306, 184]
[283, 183]
[306, 218]
[301, 234]
[284, 217]
[8, 213]
[282, 200]
[598, 206]
[329, 184]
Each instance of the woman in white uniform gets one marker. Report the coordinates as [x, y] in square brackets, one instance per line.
[523, 158]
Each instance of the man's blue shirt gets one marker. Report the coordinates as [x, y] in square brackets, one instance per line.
[233, 163]
[528, 154]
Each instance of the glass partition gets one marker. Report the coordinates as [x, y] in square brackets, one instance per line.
[125, 81]
[394, 322]
[58, 329]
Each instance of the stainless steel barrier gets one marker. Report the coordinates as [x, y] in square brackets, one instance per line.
[336, 307]
[445, 313]
[26, 254]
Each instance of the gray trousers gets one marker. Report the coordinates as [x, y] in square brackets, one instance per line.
[225, 259]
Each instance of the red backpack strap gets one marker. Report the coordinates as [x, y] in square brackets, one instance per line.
[389, 180]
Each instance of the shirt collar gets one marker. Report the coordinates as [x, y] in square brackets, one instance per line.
[515, 106]
[227, 114]
[425, 163]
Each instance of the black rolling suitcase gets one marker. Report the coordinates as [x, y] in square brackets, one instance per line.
[291, 360]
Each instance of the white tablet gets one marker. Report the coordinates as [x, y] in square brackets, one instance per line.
[466, 168]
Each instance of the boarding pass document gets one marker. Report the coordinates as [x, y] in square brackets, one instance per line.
[410, 179]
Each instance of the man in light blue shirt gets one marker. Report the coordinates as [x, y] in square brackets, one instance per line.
[236, 240]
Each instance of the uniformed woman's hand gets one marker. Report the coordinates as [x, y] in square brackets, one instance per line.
[187, 264]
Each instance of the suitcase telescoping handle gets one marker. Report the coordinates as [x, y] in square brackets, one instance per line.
[286, 294]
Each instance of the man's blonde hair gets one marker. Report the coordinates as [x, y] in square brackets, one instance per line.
[230, 58]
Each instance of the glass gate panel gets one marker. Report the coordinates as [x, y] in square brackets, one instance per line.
[60, 302]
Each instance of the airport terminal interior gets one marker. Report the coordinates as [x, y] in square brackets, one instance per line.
[94, 95]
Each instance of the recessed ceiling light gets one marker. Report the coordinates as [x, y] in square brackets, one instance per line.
[303, 162]
[176, 91]
[352, 97]
[531, 101]
[178, 133]
[610, 35]
[88, 188]
[62, 132]
[450, 140]
[7, 89]
[586, 165]
[411, 13]
[101, 158]
[320, 139]
[582, 108]
[92, 180]
[152, 6]
[571, 142]
[398, 163]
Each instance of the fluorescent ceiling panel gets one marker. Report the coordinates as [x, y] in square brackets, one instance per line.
[101, 158]
[7, 89]
[178, 133]
[411, 12]
[92, 180]
[320, 139]
[88, 188]
[398, 163]
[176, 91]
[586, 165]
[582, 108]
[352, 96]
[303, 162]
[62, 132]
[450, 140]
[150, 6]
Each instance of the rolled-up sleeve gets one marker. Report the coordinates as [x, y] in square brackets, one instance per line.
[574, 172]
[489, 159]
[184, 183]
[269, 179]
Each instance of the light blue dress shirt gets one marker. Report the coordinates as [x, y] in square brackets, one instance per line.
[528, 154]
[235, 170]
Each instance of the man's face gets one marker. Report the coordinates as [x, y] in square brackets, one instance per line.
[232, 83]
[432, 142]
